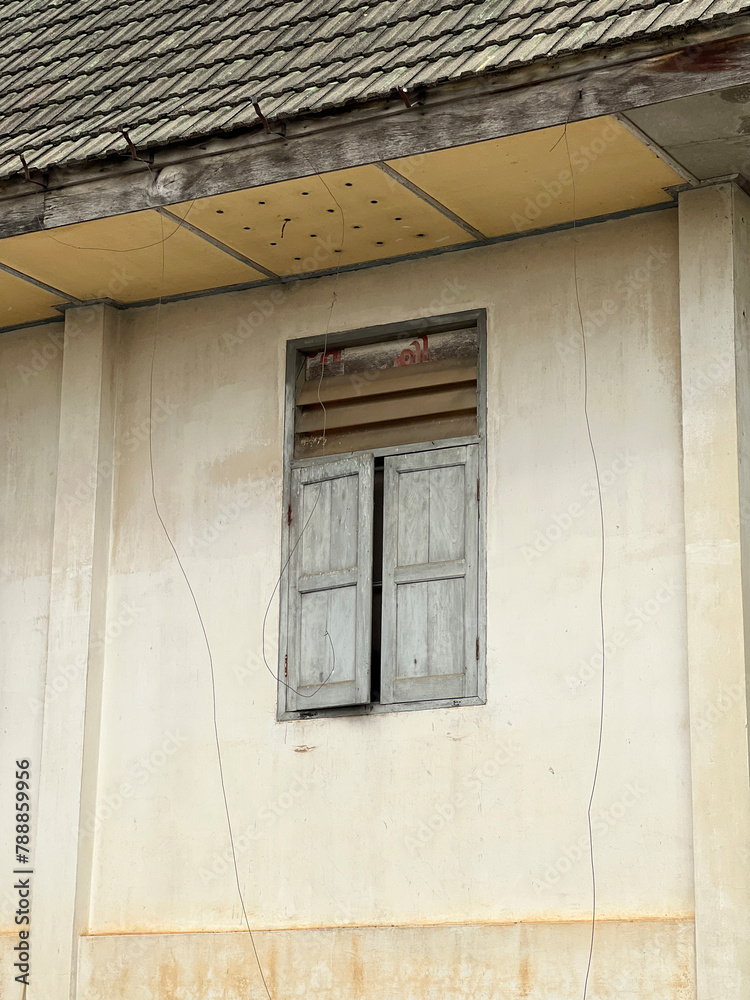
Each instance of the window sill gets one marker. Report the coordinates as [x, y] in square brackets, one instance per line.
[377, 709]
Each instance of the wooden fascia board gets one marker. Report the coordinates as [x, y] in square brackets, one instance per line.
[588, 86]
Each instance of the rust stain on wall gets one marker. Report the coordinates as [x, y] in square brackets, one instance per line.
[270, 964]
[167, 978]
[731, 53]
[357, 977]
[524, 966]
[524, 977]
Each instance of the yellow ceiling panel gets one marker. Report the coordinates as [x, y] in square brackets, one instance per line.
[502, 186]
[22, 302]
[524, 182]
[296, 226]
[121, 258]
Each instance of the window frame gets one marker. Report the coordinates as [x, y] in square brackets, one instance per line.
[375, 334]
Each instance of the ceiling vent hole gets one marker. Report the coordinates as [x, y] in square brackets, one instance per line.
[356, 227]
[313, 236]
[348, 184]
[246, 228]
[219, 211]
[379, 243]
[305, 192]
[420, 234]
[373, 202]
[397, 219]
[330, 210]
[261, 203]
[272, 244]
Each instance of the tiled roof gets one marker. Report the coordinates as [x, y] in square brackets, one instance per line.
[75, 72]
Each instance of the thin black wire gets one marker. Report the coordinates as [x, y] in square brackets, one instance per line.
[146, 246]
[202, 625]
[195, 601]
[602, 565]
[333, 300]
[213, 675]
[179, 561]
[275, 673]
[177, 555]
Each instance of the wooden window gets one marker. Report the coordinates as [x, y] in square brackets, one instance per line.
[383, 589]
[329, 612]
[430, 557]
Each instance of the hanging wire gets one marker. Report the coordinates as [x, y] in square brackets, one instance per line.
[192, 592]
[330, 311]
[595, 461]
[168, 537]
[161, 242]
[275, 673]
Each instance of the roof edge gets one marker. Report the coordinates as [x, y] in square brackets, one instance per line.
[590, 84]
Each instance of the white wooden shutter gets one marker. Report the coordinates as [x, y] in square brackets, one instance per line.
[330, 585]
[430, 567]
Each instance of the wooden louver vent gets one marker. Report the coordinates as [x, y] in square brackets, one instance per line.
[422, 388]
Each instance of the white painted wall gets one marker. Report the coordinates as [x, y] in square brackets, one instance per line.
[30, 369]
[422, 820]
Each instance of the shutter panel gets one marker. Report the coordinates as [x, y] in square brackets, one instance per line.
[330, 574]
[430, 575]
[387, 393]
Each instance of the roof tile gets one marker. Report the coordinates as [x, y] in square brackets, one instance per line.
[76, 71]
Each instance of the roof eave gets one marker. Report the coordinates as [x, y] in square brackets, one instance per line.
[588, 84]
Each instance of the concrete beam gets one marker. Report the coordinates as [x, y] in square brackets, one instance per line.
[714, 301]
[72, 701]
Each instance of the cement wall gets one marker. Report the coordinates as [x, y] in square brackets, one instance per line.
[30, 372]
[364, 842]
